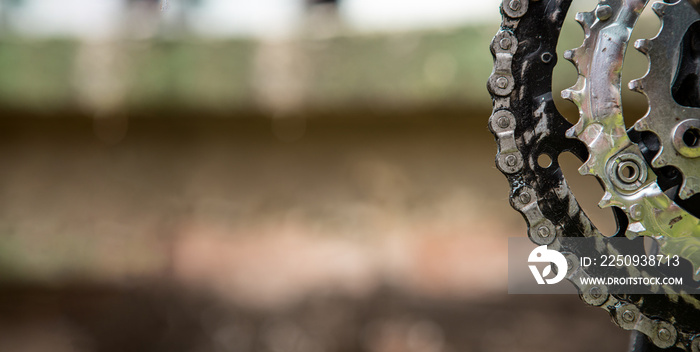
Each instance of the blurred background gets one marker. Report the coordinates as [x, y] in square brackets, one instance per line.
[269, 175]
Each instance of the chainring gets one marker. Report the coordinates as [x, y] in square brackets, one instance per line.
[678, 35]
[526, 124]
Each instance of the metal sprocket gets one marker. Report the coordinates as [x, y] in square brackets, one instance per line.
[666, 118]
[527, 124]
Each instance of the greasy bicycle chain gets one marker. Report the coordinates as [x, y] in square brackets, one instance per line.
[526, 124]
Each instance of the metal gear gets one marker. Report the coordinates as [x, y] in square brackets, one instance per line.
[630, 184]
[527, 124]
[676, 126]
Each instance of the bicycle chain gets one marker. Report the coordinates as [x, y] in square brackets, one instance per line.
[526, 124]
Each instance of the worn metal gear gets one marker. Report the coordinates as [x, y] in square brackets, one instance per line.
[630, 184]
[676, 126]
[527, 124]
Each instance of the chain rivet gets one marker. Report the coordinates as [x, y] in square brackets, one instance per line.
[524, 197]
[628, 316]
[503, 122]
[511, 160]
[664, 334]
[514, 5]
[543, 232]
[595, 292]
[505, 43]
[502, 82]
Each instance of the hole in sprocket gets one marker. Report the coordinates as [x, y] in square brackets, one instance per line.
[544, 160]
[691, 137]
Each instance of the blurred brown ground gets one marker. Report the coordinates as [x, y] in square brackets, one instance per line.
[369, 233]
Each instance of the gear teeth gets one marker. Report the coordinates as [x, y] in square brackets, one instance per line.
[643, 46]
[675, 17]
[588, 167]
[659, 8]
[690, 183]
[570, 55]
[571, 95]
[659, 161]
[585, 170]
[574, 56]
[575, 92]
[636, 85]
[606, 201]
[685, 192]
[585, 19]
[567, 94]
[641, 124]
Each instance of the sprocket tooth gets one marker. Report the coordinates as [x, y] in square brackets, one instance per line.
[659, 161]
[570, 55]
[659, 8]
[585, 19]
[571, 94]
[661, 51]
[585, 170]
[643, 45]
[576, 130]
[636, 85]
[685, 192]
[606, 201]
[588, 167]
[686, 189]
[642, 124]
